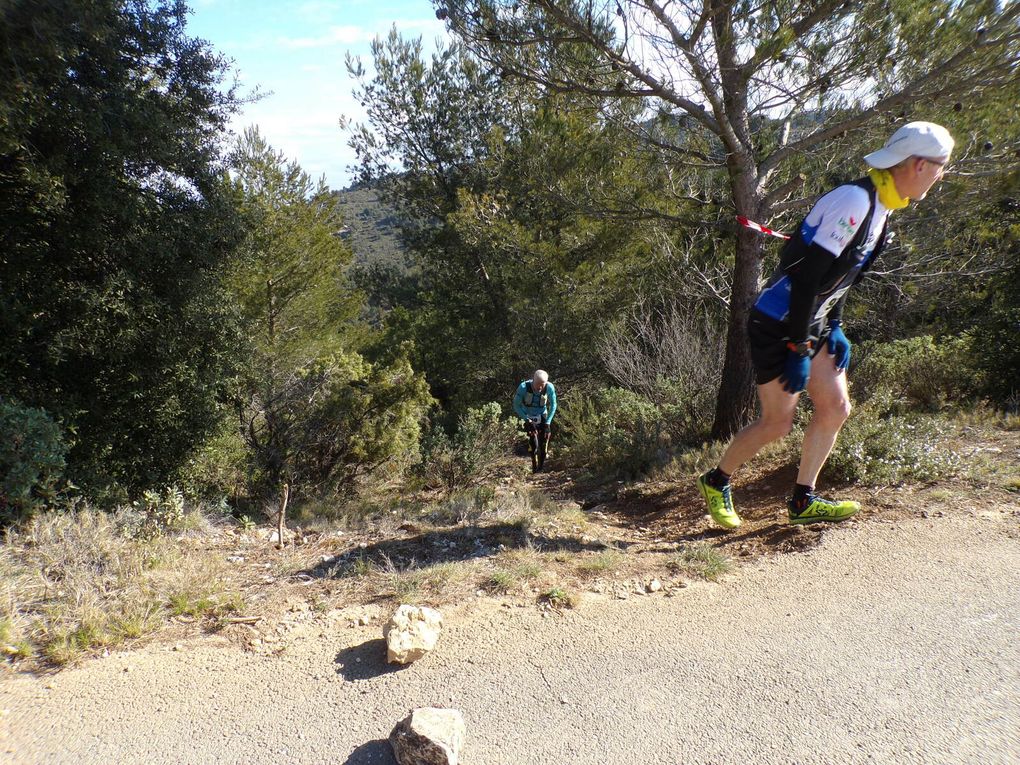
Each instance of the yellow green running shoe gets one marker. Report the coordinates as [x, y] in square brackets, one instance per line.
[720, 504]
[821, 509]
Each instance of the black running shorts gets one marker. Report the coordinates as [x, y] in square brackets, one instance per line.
[768, 339]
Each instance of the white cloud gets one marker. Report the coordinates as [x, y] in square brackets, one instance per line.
[355, 35]
[337, 35]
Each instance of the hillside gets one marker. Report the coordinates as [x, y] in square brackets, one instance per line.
[371, 229]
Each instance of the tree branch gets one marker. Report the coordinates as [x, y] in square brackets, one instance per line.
[909, 94]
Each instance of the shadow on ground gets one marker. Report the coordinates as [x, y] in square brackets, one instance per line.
[445, 546]
[373, 753]
[365, 661]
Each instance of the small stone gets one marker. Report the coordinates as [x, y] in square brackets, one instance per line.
[363, 545]
[430, 735]
[654, 586]
[178, 647]
[411, 633]
[363, 621]
[564, 700]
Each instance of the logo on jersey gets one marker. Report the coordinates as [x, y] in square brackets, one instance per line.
[850, 227]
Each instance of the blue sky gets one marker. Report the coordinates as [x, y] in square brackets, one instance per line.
[296, 50]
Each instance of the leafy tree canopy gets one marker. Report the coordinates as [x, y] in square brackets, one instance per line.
[113, 223]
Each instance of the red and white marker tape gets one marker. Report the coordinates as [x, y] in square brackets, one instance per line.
[760, 228]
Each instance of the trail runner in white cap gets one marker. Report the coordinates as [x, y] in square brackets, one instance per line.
[797, 342]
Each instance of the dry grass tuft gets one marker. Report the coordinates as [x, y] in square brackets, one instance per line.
[558, 597]
[72, 583]
[600, 564]
[702, 561]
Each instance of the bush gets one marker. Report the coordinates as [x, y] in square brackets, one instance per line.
[32, 451]
[615, 433]
[686, 412]
[332, 422]
[669, 354]
[483, 435]
[878, 447]
[162, 513]
[219, 468]
[920, 372]
[1000, 358]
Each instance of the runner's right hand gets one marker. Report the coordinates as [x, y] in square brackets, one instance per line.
[795, 376]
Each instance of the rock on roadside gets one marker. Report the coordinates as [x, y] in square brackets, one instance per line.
[411, 633]
[429, 736]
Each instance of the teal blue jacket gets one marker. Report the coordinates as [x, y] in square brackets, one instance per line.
[535, 406]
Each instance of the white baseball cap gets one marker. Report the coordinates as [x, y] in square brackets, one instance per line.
[915, 139]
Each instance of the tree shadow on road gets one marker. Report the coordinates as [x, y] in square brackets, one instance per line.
[448, 545]
[377, 752]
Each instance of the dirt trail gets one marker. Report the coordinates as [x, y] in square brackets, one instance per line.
[888, 642]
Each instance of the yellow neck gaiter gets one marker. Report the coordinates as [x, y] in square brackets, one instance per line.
[887, 193]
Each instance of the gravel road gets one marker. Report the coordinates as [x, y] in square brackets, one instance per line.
[887, 643]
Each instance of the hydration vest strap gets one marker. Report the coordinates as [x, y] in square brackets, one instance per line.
[530, 396]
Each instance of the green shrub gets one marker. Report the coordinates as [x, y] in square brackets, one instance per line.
[483, 435]
[877, 447]
[686, 412]
[32, 452]
[333, 421]
[220, 467]
[615, 433]
[921, 373]
[162, 513]
[1000, 357]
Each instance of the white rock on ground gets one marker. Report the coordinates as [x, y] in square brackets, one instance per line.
[429, 736]
[411, 633]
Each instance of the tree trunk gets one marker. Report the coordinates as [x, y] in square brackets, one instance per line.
[736, 401]
[281, 523]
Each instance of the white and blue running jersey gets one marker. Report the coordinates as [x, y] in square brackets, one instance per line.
[832, 224]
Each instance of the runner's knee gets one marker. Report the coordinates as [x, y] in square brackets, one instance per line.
[835, 410]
